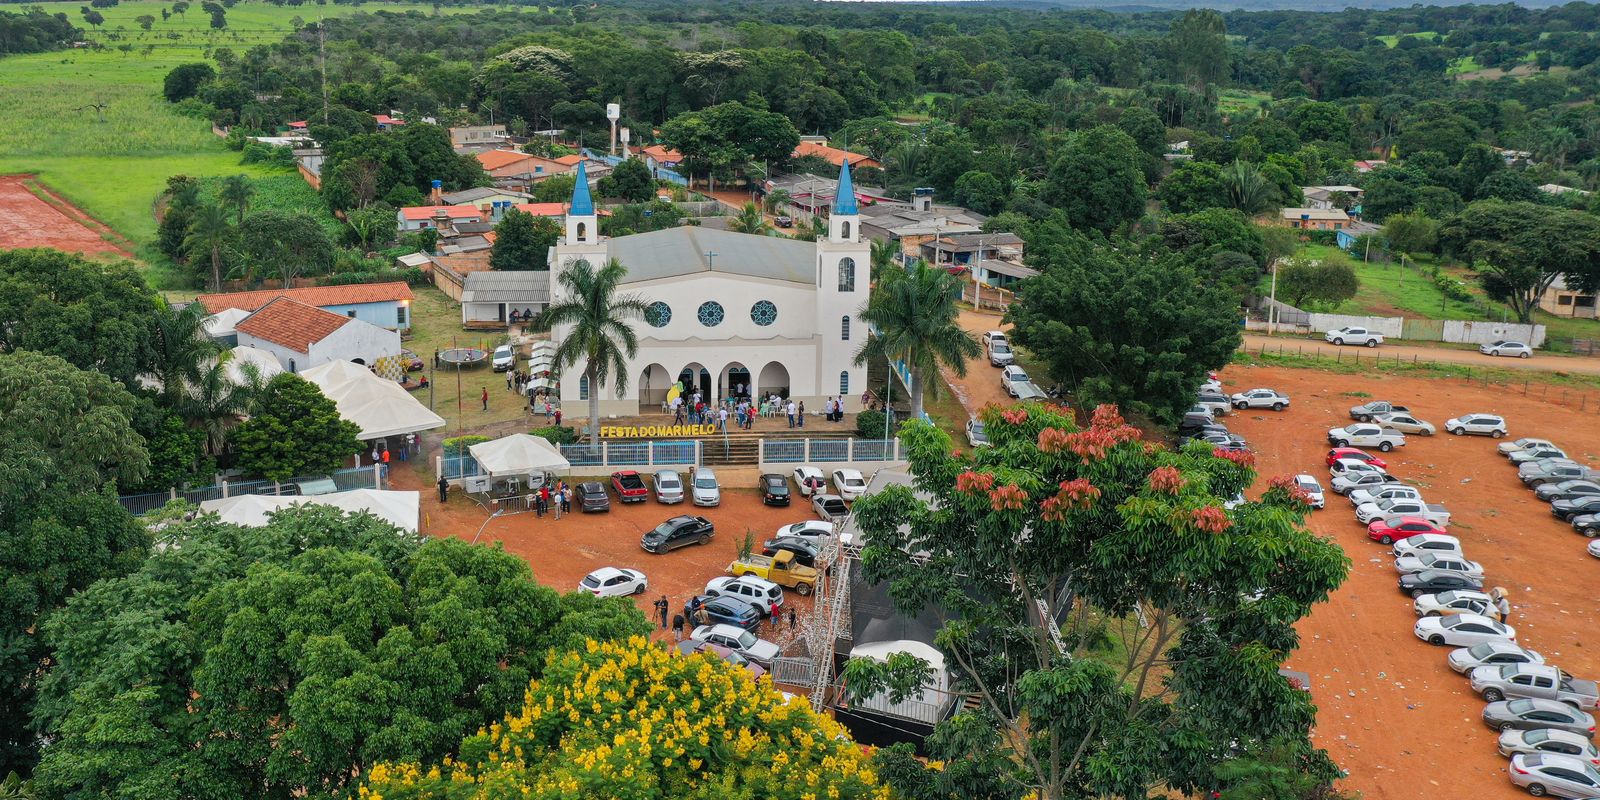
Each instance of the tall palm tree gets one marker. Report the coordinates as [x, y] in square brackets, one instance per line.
[600, 334]
[1248, 190]
[913, 320]
[749, 220]
[210, 232]
[217, 400]
[884, 253]
[236, 193]
[182, 349]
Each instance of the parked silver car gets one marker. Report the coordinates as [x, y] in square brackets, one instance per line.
[1542, 681]
[1553, 775]
[1548, 740]
[1468, 658]
[1505, 347]
[1528, 714]
[1479, 424]
[669, 487]
[1261, 398]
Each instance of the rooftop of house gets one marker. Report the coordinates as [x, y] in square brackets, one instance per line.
[662, 153]
[466, 244]
[496, 159]
[973, 241]
[531, 286]
[834, 155]
[570, 159]
[1556, 188]
[476, 193]
[465, 228]
[902, 220]
[1313, 213]
[352, 294]
[291, 324]
[419, 213]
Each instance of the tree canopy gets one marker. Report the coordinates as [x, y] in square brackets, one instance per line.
[1120, 325]
[523, 241]
[630, 719]
[94, 314]
[1122, 536]
[294, 431]
[1521, 249]
[262, 662]
[1320, 281]
[1097, 181]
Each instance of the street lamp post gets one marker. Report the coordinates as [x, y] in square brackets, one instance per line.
[1272, 302]
[499, 512]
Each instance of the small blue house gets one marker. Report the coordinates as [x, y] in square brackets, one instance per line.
[1347, 236]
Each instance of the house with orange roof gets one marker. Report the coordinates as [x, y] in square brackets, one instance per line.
[386, 305]
[302, 336]
[415, 218]
[835, 156]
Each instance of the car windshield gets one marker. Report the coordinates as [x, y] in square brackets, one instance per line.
[1309, 485]
[1519, 706]
[1451, 622]
[1016, 375]
[977, 429]
[665, 529]
[1001, 347]
[1446, 598]
[705, 482]
[1481, 651]
[777, 487]
[746, 639]
[667, 481]
[1536, 735]
[854, 481]
[591, 581]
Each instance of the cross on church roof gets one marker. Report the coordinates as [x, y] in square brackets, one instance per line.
[710, 255]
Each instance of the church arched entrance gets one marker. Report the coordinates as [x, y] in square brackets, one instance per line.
[773, 379]
[653, 385]
[695, 377]
[734, 382]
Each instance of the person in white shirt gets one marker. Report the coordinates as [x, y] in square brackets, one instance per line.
[789, 409]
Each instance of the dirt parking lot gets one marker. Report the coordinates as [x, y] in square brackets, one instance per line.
[562, 551]
[1391, 713]
[28, 221]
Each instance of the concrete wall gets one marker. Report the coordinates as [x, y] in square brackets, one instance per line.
[1486, 332]
[382, 314]
[290, 360]
[1390, 327]
[355, 340]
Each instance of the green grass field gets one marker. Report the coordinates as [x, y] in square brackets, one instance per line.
[114, 169]
[1394, 39]
[1237, 101]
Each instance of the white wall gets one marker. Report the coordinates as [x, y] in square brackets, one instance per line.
[355, 340]
[285, 355]
[1388, 326]
[1486, 332]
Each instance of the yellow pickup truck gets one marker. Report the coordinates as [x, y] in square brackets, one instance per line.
[779, 569]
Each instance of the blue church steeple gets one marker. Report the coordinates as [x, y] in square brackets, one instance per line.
[844, 200]
[582, 204]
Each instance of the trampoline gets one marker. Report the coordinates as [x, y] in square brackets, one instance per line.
[463, 356]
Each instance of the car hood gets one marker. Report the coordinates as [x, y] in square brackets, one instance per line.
[763, 650]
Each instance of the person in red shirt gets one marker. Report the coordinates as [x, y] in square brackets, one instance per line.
[486, 399]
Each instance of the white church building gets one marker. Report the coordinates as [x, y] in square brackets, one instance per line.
[776, 315]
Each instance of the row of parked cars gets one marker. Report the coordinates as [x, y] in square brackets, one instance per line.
[703, 489]
[1201, 420]
[1367, 337]
[1571, 488]
[1542, 713]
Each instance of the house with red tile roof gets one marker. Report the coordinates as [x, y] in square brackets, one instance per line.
[387, 305]
[301, 336]
[415, 218]
[833, 155]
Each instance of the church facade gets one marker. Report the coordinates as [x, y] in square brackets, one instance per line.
[729, 313]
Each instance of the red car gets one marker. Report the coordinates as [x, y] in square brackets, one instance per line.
[1353, 452]
[629, 486]
[1404, 527]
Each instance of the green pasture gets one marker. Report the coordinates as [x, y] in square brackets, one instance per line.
[1238, 101]
[1394, 38]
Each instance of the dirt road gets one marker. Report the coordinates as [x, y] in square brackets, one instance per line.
[1390, 711]
[28, 221]
[981, 385]
[1543, 362]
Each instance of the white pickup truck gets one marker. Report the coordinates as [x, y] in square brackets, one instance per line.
[1408, 507]
[1366, 434]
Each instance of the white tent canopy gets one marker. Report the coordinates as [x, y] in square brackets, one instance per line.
[266, 364]
[519, 454]
[378, 407]
[251, 510]
[222, 323]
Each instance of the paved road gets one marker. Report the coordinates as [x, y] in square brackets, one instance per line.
[1539, 362]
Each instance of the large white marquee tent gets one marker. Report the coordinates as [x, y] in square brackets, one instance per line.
[378, 407]
[251, 510]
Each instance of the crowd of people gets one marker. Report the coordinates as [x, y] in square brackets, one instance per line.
[692, 616]
[742, 410]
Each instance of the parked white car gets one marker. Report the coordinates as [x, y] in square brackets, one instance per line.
[1351, 481]
[814, 531]
[1261, 398]
[810, 480]
[975, 435]
[1506, 347]
[1469, 658]
[1459, 601]
[1537, 452]
[849, 483]
[1000, 354]
[758, 592]
[1406, 423]
[1360, 497]
[1353, 466]
[1463, 630]
[1548, 740]
[1478, 424]
[704, 488]
[504, 358]
[990, 337]
[1011, 377]
[1594, 548]
[1403, 507]
[1366, 434]
[1313, 489]
[614, 582]
[738, 640]
[1361, 336]
[1449, 562]
[1426, 543]
[1507, 448]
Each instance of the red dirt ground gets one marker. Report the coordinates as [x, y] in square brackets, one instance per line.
[1391, 713]
[563, 551]
[27, 221]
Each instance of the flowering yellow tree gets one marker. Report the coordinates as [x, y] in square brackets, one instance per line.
[629, 719]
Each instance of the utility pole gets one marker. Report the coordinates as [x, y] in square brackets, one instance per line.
[1272, 302]
[322, 59]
